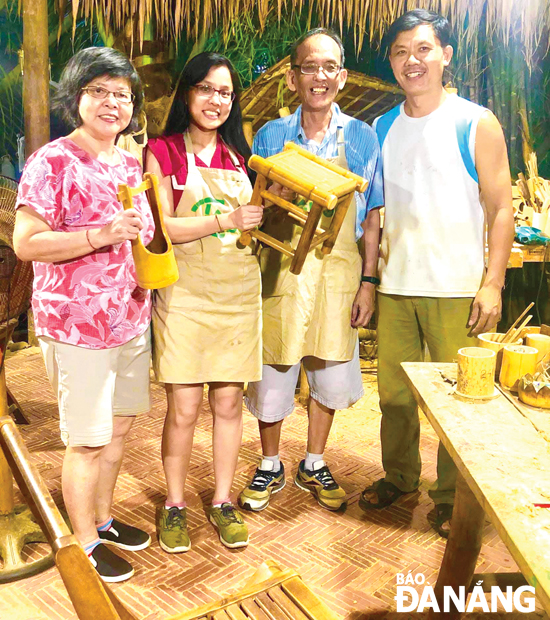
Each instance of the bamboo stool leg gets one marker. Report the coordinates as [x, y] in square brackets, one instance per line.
[337, 221]
[259, 187]
[310, 227]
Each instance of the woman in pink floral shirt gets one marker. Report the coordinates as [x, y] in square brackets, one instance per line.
[91, 317]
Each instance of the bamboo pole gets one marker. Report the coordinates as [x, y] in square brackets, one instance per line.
[36, 74]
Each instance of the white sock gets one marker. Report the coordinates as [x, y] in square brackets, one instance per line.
[271, 463]
[312, 461]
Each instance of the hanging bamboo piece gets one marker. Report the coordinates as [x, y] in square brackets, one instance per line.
[476, 373]
[517, 361]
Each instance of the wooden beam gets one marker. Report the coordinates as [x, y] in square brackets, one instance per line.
[36, 75]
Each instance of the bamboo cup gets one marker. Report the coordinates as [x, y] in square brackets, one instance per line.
[540, 343]
[476, 373]
[490, 341]
[517, 361]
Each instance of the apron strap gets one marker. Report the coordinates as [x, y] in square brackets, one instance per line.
[341, 144]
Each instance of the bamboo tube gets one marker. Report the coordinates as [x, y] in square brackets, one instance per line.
[514, 324]
[492, 341]
[517, 361]
[476, 372]
[539, 342]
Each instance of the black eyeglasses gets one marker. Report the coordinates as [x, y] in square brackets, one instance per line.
[98, 92]
[207, 91]
[330, 69]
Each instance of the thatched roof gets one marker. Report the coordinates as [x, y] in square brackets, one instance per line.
[362, 97]
[528, 19]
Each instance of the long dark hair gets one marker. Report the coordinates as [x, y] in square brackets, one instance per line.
[194, 72]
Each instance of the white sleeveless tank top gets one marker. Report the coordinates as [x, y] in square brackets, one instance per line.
[433, 241]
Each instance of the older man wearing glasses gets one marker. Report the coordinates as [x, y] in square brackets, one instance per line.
[313, 317]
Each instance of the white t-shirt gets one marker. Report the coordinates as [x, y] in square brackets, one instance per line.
[434, 227]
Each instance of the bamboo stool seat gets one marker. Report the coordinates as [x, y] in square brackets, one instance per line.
[326, 185]
[156, 265]
[271, 594]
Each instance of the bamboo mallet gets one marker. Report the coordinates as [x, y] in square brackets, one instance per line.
[513, 326]
[517, 331]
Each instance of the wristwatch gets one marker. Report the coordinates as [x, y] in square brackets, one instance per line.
[371, 279]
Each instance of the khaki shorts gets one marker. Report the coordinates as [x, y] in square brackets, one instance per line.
[93, 385]
[337, 385]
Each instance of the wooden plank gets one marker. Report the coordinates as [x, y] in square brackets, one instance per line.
[253, 610]
[293, 612]
[504, 460]
[304, 598]
[234, 612]
[221, 615]
[270, 607]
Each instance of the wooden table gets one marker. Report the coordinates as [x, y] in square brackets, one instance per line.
[503, 458]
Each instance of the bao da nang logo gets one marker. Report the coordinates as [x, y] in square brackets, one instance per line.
[410, 598]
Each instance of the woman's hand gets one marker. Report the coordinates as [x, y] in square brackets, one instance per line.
[124, 226]
[283, 192]
[245, 217]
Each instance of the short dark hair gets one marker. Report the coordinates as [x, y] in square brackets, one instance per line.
[193, 73]
[85, 66]
[419, 17]
[314, 33]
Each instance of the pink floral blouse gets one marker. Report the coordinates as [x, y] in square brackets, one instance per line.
[92, 301]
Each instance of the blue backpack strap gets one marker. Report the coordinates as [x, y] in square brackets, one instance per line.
[384, 123]
[463, 127]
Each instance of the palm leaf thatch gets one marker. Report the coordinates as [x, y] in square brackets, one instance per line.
[505, 19]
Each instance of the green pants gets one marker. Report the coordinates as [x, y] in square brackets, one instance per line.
[404, 325]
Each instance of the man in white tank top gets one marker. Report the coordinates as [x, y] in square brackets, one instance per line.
[443, 157]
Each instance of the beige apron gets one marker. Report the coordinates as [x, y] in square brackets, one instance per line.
[310, 313]
[207, 326]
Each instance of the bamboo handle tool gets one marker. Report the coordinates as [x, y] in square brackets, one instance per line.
[513, 326]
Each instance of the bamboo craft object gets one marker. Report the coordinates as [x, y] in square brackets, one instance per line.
[517, 361]
[325, 184]
[540, 342]
[508, 335]
[493, 341]
[476, 373]
[156, 265]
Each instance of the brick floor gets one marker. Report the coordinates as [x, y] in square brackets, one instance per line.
[350, 559]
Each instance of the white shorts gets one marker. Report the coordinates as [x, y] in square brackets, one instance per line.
[337, 385]
[93, 385]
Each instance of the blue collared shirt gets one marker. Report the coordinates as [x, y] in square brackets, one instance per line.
[362, 151]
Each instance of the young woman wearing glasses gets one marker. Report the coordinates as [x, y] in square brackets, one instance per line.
[207, 326]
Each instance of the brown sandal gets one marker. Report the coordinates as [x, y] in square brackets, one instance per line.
[387, 493]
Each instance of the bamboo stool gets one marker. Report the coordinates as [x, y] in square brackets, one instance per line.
[325, 184]
[156, 265]
[272, 593]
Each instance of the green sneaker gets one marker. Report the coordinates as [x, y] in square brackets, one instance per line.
[230, 525]
[172, 530]
[256, 495]
[319, 481]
